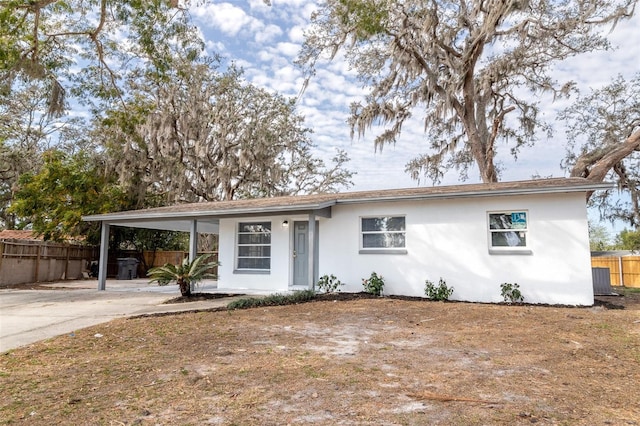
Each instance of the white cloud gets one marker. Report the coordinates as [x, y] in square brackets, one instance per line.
[226, 18]
[288, 49]
[267, 34]
[296, 34]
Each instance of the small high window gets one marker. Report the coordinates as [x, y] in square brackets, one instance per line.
[254, 246]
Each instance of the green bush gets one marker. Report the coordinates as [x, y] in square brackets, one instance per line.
[511, 293]
[275, 299]
[374, 284]
[439, 292]
[329, 283]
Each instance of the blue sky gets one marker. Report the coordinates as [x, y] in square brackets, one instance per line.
[265, 41]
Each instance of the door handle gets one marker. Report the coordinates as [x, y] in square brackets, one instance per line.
[295, 254]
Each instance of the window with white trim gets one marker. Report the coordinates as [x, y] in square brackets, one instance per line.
[254, 246]
[382, 233]
[508, 230]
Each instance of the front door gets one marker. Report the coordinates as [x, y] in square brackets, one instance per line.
[301, 253]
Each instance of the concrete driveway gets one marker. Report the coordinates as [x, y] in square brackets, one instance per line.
[27, 316]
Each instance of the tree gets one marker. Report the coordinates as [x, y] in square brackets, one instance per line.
[603, 134]
[599, 238]
[628, 240]
[184, 274]
[67, 187]
[50, 50]
[467, 65]
[41, 40]
[25, 133]
[207, 135]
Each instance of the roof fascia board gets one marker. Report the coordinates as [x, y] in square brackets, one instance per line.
[138, 216]
[477, 194]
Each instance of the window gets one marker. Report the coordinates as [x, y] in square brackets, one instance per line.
[382, 234]
[254, 246]
[508, 230]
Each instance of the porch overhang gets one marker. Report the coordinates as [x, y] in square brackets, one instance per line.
[179, 219]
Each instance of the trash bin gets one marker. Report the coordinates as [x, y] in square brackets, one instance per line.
[127, 268]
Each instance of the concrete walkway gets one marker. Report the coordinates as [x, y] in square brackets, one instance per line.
[27, 316]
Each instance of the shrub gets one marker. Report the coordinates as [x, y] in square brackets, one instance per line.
[440, 292]
[275, 299]
[183, 274]
[374, 284]
[329, 283]
[511, 293]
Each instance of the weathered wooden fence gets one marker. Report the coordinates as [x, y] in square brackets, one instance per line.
[159, 258]
[36, 261]
[23, 262]
[624, 270]
[149, 259]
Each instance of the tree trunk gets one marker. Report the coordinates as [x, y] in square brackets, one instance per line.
[185, 288]
[596, 165]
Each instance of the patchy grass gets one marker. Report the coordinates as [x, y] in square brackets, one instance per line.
[366, 361]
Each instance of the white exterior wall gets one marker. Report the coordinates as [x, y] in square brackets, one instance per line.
[444, 238]
[279, 277]
[449, 239]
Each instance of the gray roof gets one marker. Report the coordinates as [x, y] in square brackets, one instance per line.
[212, 211]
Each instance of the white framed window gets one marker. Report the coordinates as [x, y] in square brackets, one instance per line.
[254, 247]
[509, 231]
[383, 234]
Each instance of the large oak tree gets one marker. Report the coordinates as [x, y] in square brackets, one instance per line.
[603, 137]
[473, 68]
[206, 135]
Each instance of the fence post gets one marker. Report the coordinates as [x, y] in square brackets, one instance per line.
[66, 262]
[1, 255]
[37, 268]
[621, 272]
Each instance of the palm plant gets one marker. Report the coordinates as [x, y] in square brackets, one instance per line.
[184, 274]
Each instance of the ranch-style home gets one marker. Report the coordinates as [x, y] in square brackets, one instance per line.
[475, 237]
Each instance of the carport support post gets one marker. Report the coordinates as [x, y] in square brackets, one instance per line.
[104, 256]
[311, 250]
[193, 244]
[193, 240]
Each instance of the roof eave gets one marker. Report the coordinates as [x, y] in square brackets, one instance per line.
[483, 193]
[157, 215]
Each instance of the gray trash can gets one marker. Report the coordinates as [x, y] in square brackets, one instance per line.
[127, 268]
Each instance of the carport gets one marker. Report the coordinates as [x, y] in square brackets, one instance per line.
[205, 217]
[192, 225]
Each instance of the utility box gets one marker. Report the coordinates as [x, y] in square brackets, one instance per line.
[601, 281]
[127, 268]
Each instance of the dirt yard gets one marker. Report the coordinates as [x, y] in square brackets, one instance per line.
[359, 362]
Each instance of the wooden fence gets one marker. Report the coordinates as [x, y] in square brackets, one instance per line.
[624, 270]
[36, 261]
[159, 258]
[23, 262]
[149, 259]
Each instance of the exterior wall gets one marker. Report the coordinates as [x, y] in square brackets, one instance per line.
[444, 238]
[449, 239]
[278, 278]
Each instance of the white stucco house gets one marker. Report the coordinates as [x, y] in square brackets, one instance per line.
[475, 237]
